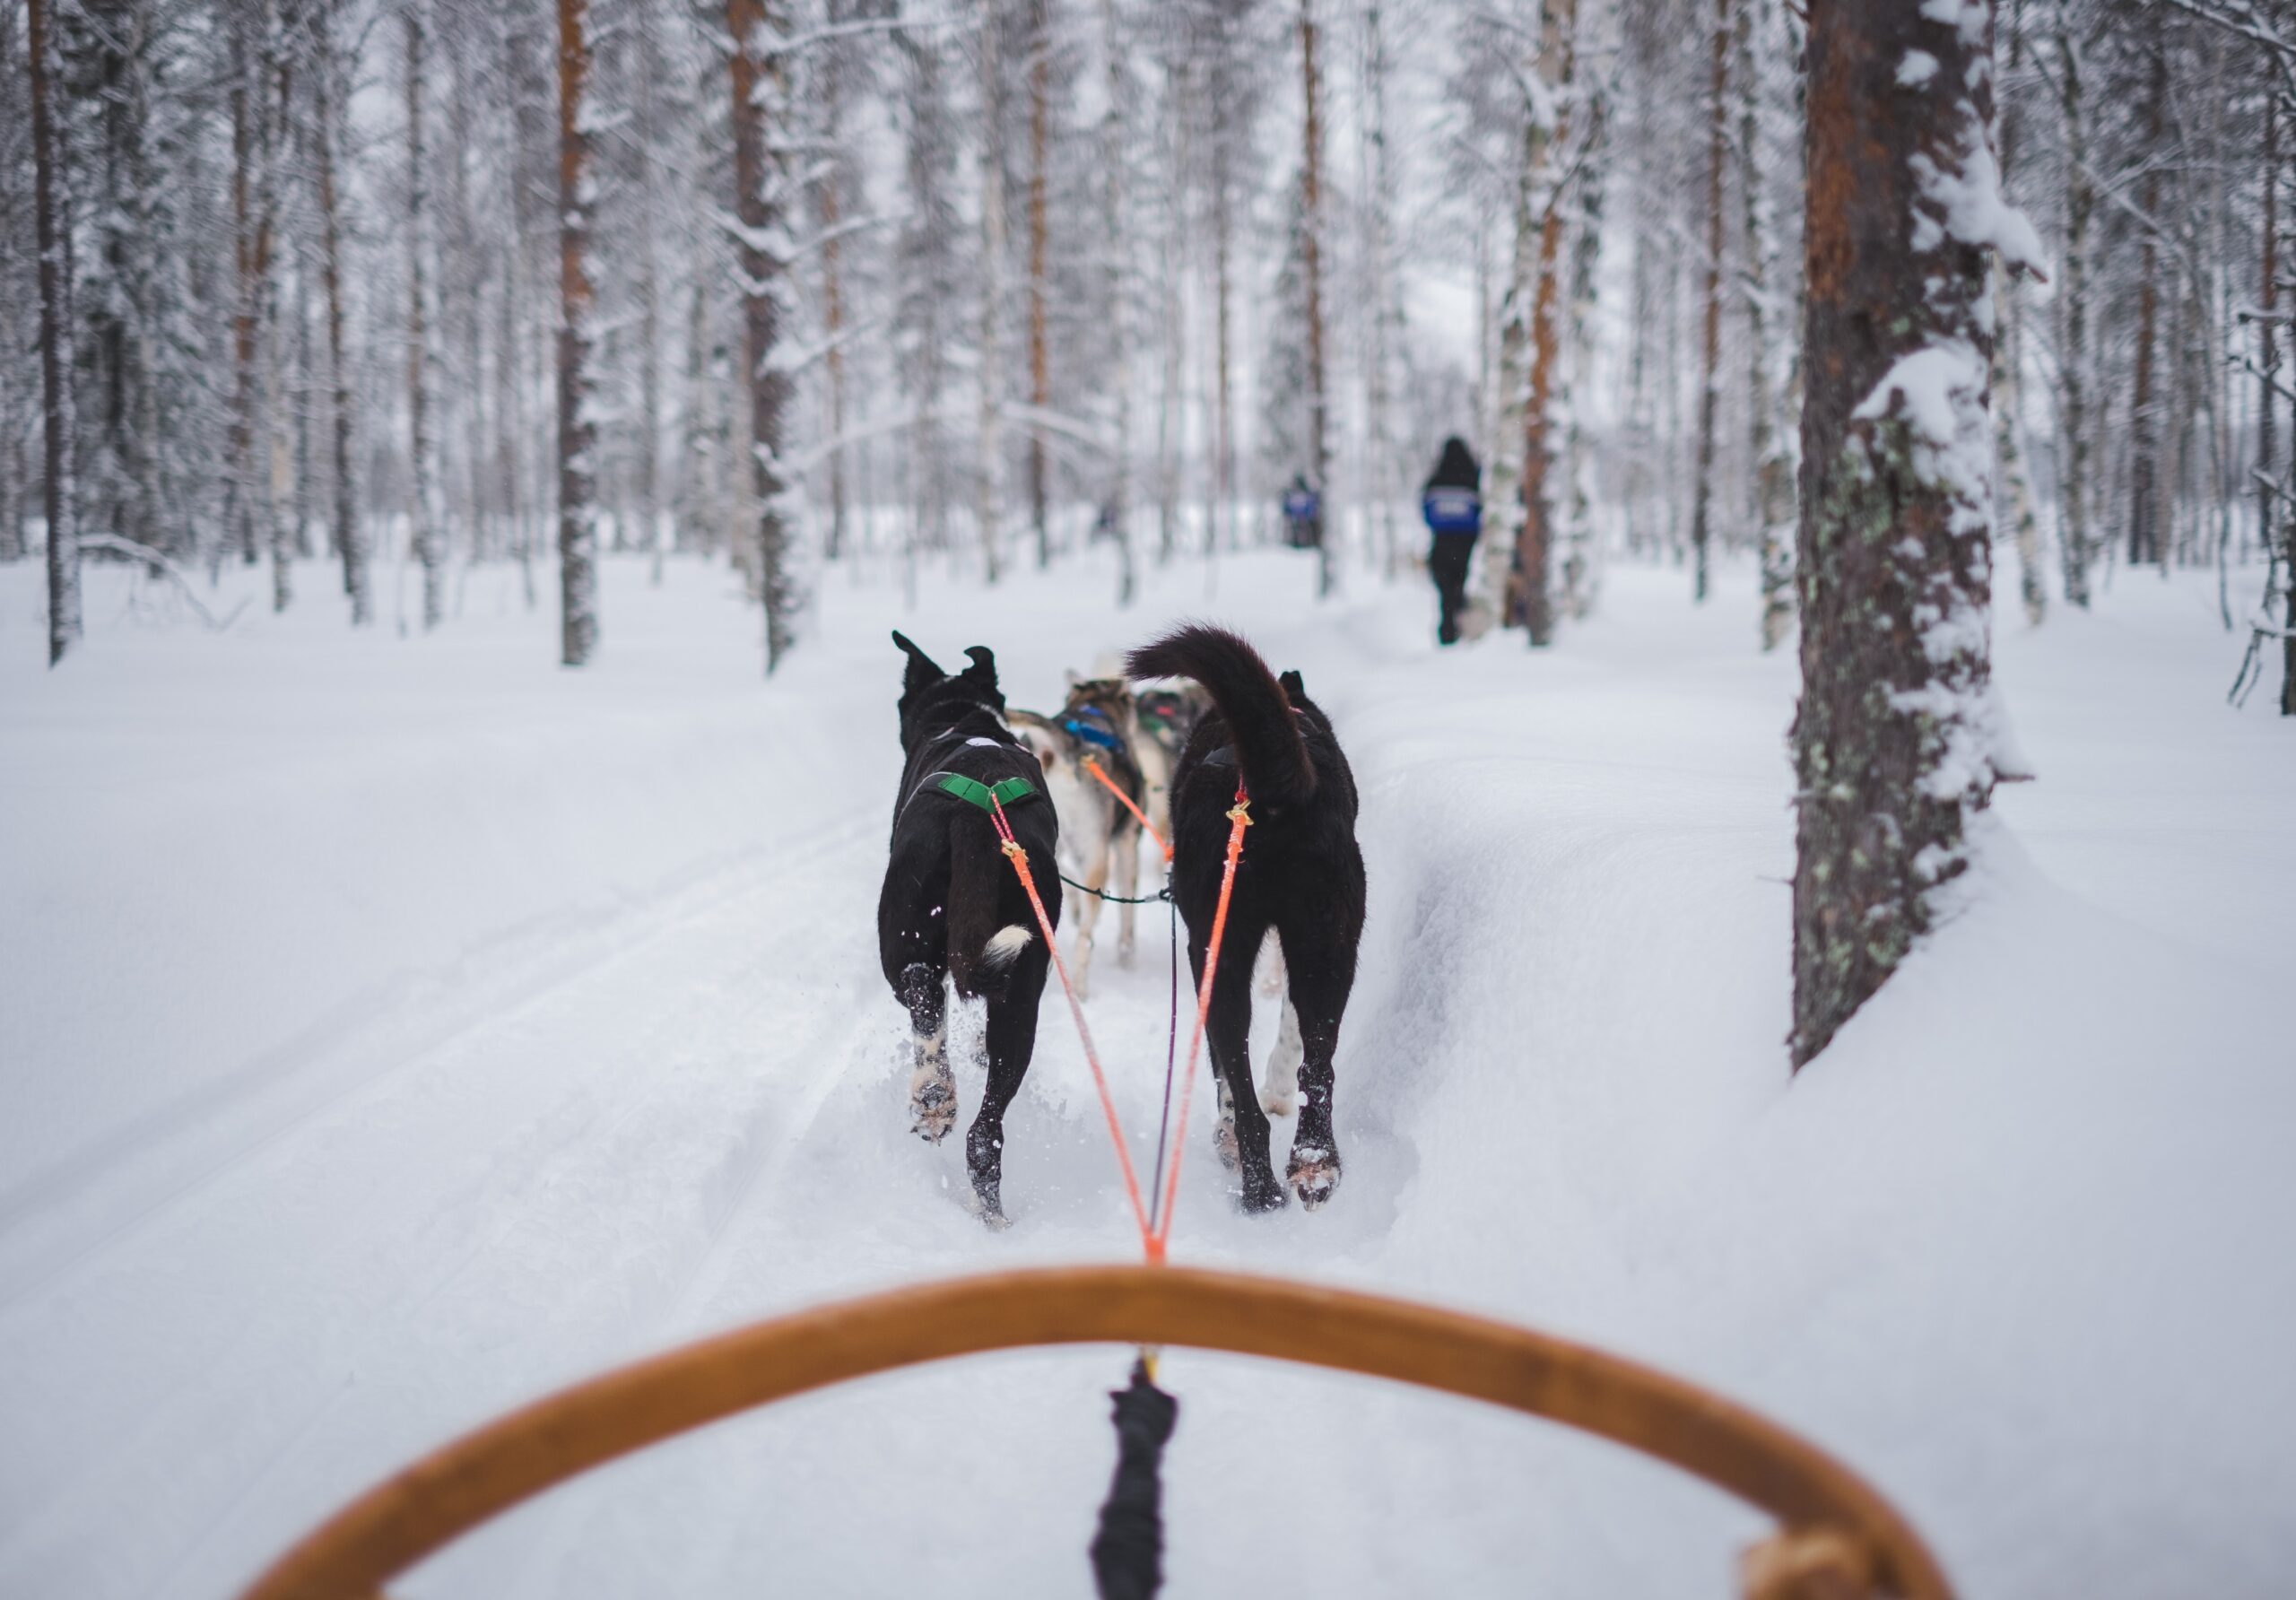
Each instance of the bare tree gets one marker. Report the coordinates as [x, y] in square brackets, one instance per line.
[578, 439]
[990, 488]
[1039, 65]
[60, 485]
[760, 99]
[1311, 162]
[429, 537]
[1709, 368]
[1530, 596]
[350, 536]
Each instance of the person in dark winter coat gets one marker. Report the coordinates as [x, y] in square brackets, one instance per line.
[1303, 514]
[1452, 503]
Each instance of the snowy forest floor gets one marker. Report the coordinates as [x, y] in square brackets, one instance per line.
[392, 1030]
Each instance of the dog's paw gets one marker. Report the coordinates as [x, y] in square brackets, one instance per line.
[933, 1100]
[1124, 955]
[1313, 1172]
[987, 1208]
[1262, 1192]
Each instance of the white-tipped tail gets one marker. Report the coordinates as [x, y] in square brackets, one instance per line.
[1005, 946]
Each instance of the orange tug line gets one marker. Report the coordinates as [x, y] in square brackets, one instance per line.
[1153, 1241]
[1092, 765]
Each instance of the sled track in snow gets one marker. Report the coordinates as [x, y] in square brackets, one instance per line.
[57, 1219]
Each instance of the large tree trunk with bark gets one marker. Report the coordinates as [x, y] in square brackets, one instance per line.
[2267, 447]
[761, 99]
[251, 263]
[1894, 740]
[61, 483]
[1312, 272]
[577, 516]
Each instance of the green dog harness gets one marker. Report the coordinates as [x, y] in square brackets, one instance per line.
[973, 791]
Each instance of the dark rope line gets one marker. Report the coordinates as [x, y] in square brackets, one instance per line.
[1118, 899]
[1171, 1061]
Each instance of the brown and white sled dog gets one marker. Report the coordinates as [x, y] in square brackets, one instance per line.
[1163, 716]
[1099, 838]
[1301, 876]
[952, 907]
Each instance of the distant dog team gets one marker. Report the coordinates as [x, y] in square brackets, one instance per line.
[952, 909]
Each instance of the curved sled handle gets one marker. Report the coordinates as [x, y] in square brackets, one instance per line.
[1840, 1536]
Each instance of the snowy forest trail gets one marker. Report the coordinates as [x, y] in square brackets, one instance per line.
[596, 1058]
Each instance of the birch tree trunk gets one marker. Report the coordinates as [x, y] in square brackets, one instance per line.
[60, 482]
[578, 513]
[2008, 417]
[1709, 373]
[1174, 265]
[1772, 462]
[2267, 451]
[989, 485]
[1311, 253]
[1894, 740]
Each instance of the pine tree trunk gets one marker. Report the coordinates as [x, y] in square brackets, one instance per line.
[1893, 745]
[350, 538]
[989, 487]
[1311, 162]
[829, 213]
[1531, 596]
[60, 485]
[1040, 369]
[648, 465]
[577, 516]
[2146, 541]
[761, 204]
[422, 500]
[251, 253]
[1710, 372]
[1175, 257]
[2267, 449]
[287, 491]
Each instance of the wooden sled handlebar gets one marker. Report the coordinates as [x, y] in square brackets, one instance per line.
[1839, 1537]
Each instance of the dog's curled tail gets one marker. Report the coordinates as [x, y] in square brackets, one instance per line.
[1258, 714]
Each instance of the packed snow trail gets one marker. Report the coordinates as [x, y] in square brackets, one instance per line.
[592, 1056]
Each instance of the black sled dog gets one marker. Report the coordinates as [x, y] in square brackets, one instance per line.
[954, 907]
[1301, 875]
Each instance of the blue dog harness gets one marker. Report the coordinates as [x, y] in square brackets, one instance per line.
[1102, 736]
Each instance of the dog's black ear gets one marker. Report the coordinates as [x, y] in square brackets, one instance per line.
[1295, 687]
[983, 670]
[922, 671]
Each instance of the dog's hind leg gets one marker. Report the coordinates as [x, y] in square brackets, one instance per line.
[1321, 956]
[1279, 1087]
[932, 1086]
[1011, 1040]
[1087, 905]
[1127, 884]
[1228, 1027]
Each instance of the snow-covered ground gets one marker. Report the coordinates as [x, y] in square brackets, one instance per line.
[392, 1030]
